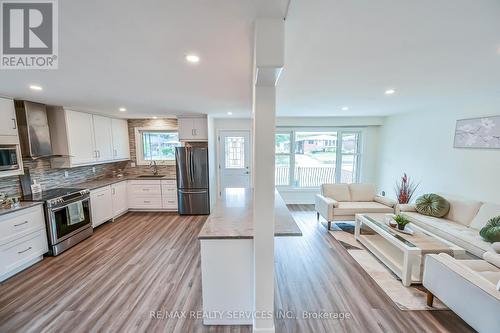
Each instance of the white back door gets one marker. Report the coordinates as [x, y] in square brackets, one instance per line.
[234, 162]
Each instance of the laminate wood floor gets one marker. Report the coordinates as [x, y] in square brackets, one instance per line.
[146, 262]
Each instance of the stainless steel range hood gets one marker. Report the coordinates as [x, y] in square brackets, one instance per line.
[34, 133]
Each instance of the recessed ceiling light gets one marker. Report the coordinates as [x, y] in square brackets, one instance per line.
[122, 109]
[192, 58]
[390, 91]
[155, 117]
[229, 113]
[35, 87]
[345, 108]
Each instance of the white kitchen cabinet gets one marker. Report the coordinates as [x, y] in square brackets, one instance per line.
[169, 195]
[8, 124]
[80, 138]
[144, 194]
[85, 139]
[103, 138]
[119, 198]
[23, 240]
[101, 204]
[193, 129]
[121, 149]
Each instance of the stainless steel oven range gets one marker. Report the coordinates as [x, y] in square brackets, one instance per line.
[67, 215]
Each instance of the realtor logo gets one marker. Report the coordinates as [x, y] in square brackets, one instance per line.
[29, 34]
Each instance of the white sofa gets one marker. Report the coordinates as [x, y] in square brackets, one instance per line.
[461, 225]
[341, 202]
[468, 287]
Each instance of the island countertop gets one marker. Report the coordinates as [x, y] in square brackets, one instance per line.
[232, 217]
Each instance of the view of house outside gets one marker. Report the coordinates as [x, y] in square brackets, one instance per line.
[159, 146]
[315, 158]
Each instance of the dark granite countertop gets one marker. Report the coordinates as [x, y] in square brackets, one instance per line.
[98, 183]
[22, 205]
[232, 217]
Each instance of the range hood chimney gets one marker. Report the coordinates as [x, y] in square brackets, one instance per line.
[34, 133]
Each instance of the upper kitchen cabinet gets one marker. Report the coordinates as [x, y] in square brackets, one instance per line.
[8, 125]
[121, 146]
[84, 139]
[103, 138]
[193, 129]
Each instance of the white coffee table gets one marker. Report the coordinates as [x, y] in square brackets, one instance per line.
[402, 253]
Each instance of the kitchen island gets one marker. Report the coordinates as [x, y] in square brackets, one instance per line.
[226, 242]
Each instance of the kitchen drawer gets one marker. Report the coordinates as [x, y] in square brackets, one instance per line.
[144, 189]
[169, 191]
[170, 204]
[169, 182]
[20, 223]
[145, 202]
[18, 253]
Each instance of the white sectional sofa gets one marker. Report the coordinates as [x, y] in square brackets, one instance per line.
[341, 202]
[461, 225]
[468, 287]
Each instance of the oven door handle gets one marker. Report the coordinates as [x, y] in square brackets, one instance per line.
[58, 208]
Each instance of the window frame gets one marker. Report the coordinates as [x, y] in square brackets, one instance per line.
[139, 145]
[340, 131]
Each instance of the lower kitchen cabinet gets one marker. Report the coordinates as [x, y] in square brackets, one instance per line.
[23, 240]
[119, 198]
[152, 195]
[101, 204]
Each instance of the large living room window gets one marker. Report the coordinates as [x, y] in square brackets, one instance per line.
[309, 158]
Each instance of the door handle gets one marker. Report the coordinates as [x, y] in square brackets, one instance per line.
[15, 124]
[192, 192]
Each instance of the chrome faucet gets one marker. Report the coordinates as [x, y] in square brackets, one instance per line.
[153, 167]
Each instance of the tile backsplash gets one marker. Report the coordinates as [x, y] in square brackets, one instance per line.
[41, 171]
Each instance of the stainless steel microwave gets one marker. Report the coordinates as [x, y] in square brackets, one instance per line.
[8, 157]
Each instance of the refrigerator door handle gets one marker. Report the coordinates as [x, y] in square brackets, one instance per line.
[192, 192]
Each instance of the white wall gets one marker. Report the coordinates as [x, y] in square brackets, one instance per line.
[421, 144]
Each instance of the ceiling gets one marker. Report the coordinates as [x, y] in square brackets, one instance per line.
[435, 54]
[339, 53]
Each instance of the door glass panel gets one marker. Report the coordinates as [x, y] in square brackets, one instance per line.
[235, 152]
[348, 170]
[282, 173]
[315, 158]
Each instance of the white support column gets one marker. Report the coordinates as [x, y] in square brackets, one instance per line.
[269, 60]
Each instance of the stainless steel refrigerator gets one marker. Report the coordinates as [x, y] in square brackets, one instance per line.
[192, 180]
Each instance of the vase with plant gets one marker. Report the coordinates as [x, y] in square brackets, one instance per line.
[401, 221]
[405, 189]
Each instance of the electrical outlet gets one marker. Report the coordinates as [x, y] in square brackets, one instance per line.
[66, 174]
[93, 169]
[132, 164]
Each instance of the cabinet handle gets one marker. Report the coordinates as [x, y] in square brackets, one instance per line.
[100, 195]
[17, 225]
[195, 132]
[147, 201]
[15, 124]
[29, 248]
[145, 189]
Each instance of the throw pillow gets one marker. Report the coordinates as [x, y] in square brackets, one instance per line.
[491, 231]
[432, 205]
